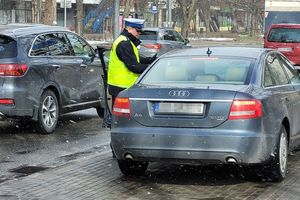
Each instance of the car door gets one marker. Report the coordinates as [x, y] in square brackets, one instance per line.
[91, 84]
[294, 80]
[65, 70]
[284, 96]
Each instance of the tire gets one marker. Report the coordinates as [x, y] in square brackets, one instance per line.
[100, 111]
[133, 168]
[48, 112]
[277, 168]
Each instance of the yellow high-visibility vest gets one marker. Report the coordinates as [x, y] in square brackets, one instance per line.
[118, 73]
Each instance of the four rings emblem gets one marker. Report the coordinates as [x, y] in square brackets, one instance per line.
[179, 93]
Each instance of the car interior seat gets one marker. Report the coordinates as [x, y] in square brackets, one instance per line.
[206, 78]
[235, 74]
[175, 74]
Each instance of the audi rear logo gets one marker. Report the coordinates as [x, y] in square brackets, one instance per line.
[179, 93]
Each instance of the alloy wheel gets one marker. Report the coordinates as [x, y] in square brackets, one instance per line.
[49, 111]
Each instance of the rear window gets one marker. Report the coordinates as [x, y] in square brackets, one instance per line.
[148, 35]
[291, 35]
[198, 70]
[8, 47]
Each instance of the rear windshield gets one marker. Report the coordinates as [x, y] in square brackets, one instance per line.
[8, 47]
[198, 70]
[148, 35]
[291, 35]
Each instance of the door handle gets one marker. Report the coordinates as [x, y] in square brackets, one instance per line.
[286, 99]
[83, 65]
[57, 67]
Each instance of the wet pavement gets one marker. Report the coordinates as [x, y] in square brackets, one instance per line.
[96, 176]
[76, 163]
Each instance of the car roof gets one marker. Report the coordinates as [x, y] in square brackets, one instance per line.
[249, 52]
[156, 28]
[286, 25]
[17, 30]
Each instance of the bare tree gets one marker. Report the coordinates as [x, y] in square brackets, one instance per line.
[79, 16]
[188, 9]
[36, 11]
[254, 9]
[50, 12]
[128, 6]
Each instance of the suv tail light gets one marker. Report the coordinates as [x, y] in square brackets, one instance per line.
[7, 102]
[152, 46]
[245, 109]
[121, 107]
[13, 69]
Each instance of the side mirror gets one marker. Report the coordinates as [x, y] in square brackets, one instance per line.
[186, 41]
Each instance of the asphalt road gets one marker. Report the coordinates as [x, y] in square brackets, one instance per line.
[75, 162]
[21, 145]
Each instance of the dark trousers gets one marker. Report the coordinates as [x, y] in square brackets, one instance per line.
[114, 91]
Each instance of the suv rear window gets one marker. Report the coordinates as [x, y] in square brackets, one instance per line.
[8, 47]
[148, 35]
[291, 35]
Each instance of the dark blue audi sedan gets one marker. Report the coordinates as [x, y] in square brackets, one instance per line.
[220, 105]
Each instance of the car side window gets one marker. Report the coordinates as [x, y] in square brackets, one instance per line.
[40, 47]
[268, 81]
[80, 47]
[177, 36]
[57, 44]
[276, 70]
[291, 72]
[169, 36]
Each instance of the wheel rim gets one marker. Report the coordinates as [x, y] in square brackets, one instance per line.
[283, 153]
[49, 111]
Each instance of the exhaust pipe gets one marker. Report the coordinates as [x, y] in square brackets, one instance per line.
[128, 156]
[231, 160]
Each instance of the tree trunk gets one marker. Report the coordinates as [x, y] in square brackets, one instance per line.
[36, 11]
[79, 17]
[188, 8]
[128, 6]
[49, 17]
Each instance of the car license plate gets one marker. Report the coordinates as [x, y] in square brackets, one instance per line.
[285, 49]
[178, 108]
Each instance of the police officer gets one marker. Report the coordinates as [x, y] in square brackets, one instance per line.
[125, 64]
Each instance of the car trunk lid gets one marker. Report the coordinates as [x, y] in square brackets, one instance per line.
[180, 107]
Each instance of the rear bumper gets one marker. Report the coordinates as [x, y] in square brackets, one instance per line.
[192, 146]
[15, 113]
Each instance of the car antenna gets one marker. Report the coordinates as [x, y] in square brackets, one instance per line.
[209, 52]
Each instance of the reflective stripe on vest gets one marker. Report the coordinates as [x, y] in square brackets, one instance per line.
[118, 73]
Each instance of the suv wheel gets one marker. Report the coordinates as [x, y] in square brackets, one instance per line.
[48, 112]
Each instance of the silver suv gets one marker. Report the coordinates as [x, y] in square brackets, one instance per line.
[160, 40]
[46, 71]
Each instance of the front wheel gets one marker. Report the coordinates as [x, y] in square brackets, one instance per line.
[132, 168]
[48, 112]
[277, 168]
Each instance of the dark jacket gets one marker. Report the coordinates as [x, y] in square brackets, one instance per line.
[126, 54]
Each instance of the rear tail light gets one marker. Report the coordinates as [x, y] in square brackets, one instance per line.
[7, 102]
[12, 69]
[245, 109]
[121, 107]
[153, 46]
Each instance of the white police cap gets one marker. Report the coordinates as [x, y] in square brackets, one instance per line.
[134, 23]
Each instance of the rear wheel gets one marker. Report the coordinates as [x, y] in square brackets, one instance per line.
[277, 169]
[48, 112]
[131, 168]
